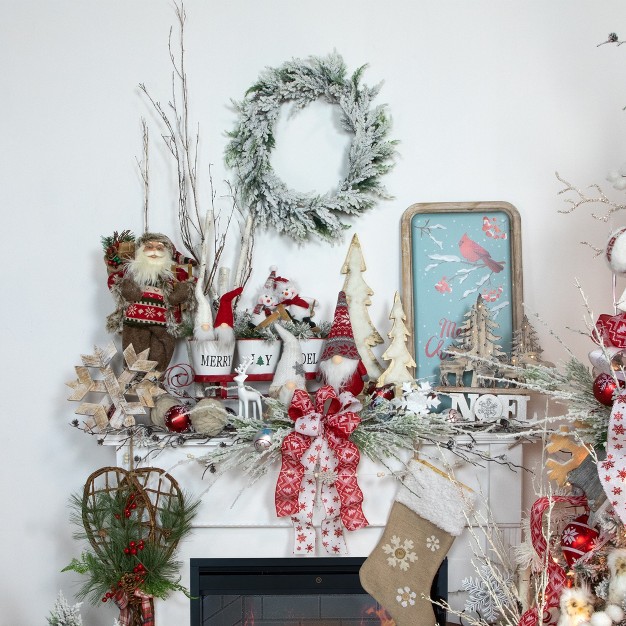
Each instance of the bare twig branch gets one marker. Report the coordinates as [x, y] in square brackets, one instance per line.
[144, 170]
[583, 198]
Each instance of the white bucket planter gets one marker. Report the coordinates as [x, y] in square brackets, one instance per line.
[265, 355]
[311, 350]
[210, 359]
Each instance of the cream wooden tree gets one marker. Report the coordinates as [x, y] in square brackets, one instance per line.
[358, 294]
[401, 362]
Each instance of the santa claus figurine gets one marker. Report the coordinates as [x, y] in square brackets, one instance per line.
[340, 364]
[149, 294]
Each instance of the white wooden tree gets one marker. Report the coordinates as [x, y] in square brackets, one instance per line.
[358, 295]
[401, 362]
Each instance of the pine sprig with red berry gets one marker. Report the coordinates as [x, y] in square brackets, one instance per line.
[127, 554]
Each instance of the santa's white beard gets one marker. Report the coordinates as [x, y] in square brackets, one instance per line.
[337, 374]
[145, 270]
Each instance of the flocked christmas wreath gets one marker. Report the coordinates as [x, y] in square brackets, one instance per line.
[300, 82]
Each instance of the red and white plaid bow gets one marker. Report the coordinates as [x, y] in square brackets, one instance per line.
[147, 612]
[320, 447]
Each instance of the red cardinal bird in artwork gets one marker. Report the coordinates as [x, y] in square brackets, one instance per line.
[474, 253]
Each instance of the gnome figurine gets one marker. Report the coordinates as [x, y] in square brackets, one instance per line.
[340, 364]
[222, 331]
[289, 374]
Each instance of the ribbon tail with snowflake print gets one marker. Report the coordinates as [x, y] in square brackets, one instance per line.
[612, 471]
[319, 450]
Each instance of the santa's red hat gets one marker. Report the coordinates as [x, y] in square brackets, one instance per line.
[225, 311]
[340, 339]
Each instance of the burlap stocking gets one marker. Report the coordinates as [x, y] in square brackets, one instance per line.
[425, 518]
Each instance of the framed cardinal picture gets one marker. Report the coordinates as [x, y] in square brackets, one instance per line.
[456, 256]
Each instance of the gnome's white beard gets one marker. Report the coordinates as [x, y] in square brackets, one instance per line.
[147, 270]
[337, 374]
[223, 336]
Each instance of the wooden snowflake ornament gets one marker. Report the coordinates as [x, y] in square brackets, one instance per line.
[138, 378]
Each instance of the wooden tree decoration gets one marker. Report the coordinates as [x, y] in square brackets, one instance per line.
[477, 339]
[358, 295]
[401, 361]
[478, 332]
[525, 339]
[526, 349]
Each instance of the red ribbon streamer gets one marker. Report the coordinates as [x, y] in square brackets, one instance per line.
[555, 573]
[336, 426]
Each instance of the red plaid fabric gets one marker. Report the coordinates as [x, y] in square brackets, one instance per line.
[147, 608]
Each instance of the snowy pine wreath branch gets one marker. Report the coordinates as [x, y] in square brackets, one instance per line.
[300, 82]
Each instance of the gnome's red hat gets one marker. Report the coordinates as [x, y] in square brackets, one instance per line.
[225, 311]
[340, 340]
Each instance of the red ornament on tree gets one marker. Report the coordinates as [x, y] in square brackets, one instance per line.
[577, 539]
[388, 392]
[604, 387]
[177, 419]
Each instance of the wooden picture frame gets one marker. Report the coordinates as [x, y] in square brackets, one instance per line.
[451, 252]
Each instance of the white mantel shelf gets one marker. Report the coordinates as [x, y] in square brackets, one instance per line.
[235, 520]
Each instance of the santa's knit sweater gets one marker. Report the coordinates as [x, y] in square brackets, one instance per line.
[151, 309]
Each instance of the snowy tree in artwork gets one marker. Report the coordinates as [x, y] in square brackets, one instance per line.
[358, 295]
[401, 361]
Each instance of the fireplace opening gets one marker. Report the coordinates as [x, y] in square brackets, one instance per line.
[289, 592]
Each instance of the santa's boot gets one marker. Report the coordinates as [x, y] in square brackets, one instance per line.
[425, 518]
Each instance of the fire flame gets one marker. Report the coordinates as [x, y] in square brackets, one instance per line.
[382, 615]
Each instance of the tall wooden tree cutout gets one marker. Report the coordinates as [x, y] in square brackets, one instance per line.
[358, 295]
[401, 363]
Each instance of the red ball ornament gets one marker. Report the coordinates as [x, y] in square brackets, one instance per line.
[388, 392]
[177, 419]
[604, 387]
[577, 539]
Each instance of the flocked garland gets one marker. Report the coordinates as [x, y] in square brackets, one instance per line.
[300, 82]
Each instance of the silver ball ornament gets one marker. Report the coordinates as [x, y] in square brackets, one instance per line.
[263, 439]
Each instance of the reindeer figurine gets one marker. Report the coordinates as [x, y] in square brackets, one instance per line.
[247, 394]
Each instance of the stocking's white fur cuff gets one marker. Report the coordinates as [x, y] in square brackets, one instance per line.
[435, 498]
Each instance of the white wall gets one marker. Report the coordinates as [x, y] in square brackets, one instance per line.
[488, 100]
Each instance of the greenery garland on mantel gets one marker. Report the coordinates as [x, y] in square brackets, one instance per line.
[300, 82]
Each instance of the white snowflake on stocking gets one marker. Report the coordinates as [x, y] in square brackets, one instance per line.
[400, 553]
[406, 596]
